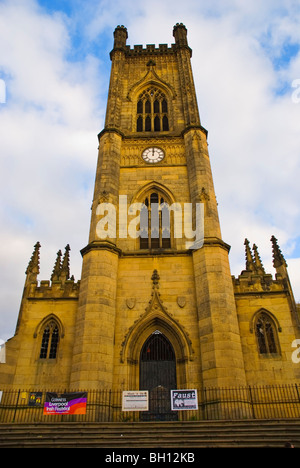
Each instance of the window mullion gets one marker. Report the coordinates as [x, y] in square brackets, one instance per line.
[266, 338]
[149, 226]
[160, 227]
[160, 115]
[49, 344]
[152, 114]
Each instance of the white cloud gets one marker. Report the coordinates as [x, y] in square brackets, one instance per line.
[253, 130]
[48, 142]
[254, 142]
[294, 269]
[55, 108]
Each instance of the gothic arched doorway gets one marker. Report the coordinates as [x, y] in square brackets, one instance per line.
[158, 376]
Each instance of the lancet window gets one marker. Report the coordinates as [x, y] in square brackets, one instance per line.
[50, 339]
[152, 111]
[266, 334]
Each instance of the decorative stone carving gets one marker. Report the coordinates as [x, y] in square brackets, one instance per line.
[130, 302]
[156, 310]
[181, 301]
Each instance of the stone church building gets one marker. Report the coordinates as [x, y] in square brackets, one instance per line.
[151, 310]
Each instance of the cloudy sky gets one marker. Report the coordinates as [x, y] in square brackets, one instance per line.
[54, 74]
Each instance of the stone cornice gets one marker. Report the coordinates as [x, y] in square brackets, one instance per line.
[101, 245]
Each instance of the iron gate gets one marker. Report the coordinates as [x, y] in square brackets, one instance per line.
[158, 376]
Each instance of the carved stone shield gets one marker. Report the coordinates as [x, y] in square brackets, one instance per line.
[130, 302]
[181, 301]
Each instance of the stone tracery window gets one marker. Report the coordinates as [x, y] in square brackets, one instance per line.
[155, 222]
[50, 339]
[266, 334]
[152, 111]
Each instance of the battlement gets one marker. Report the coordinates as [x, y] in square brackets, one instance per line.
[254, 278]
[150, 49]
[249, 283]
[121, 36]
[55, 290]
[61, 285]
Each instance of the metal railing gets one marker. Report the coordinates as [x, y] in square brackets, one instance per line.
[251, 402]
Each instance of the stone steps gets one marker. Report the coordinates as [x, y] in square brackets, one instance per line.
[195, 434]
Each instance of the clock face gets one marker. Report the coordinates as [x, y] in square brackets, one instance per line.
[153, 155]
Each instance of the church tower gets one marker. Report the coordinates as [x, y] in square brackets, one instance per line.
[156, 308]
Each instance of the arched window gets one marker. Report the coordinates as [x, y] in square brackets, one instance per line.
[155, 223]
[50, 339]
[152, 111]
[266, 334]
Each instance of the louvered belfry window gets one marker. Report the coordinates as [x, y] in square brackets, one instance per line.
[155, 223]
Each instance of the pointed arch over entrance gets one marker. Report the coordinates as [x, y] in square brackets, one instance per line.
[158, 375]
[133, 346]
[157, 348]
[156, 320]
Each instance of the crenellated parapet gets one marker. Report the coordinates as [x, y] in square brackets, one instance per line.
[60, 286]
[121, 35]
[257, 284]
[54, 290]
[254, 278]
[150, 49]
